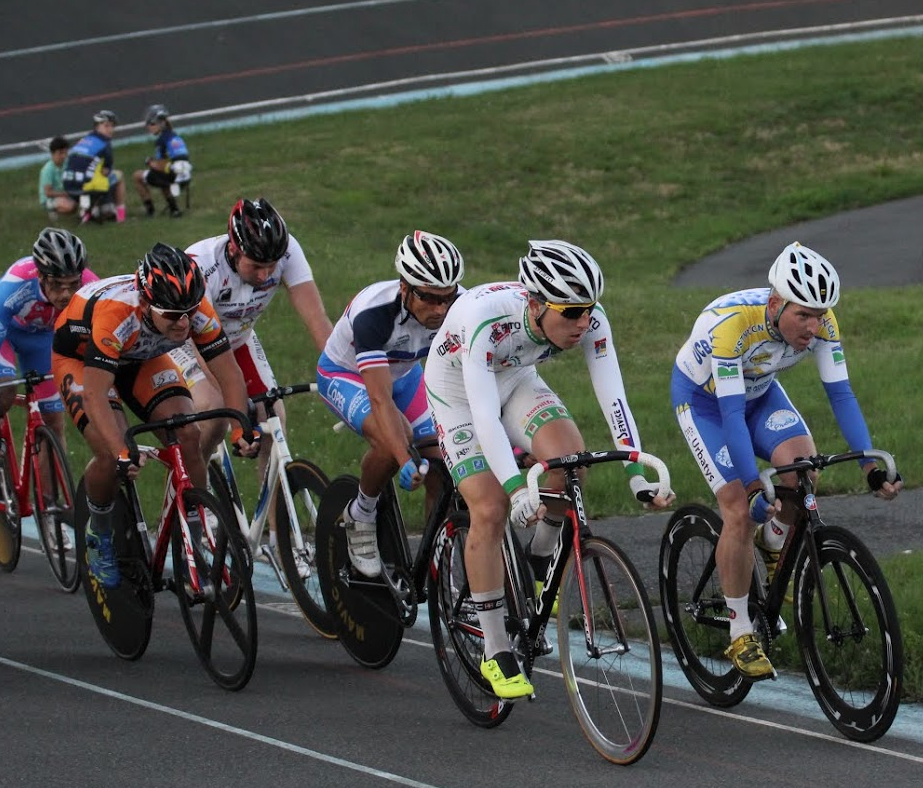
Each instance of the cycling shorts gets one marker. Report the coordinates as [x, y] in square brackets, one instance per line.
[142, 385]
[526, 403]
[32, 349]
[771, 419]
[345, 394]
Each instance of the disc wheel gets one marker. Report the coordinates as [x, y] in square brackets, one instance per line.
[123, 615]
[694, 606]
[219, 610]
[610, 652]
[307, 483]
[54, 507]
[457, 636]
[855, 664]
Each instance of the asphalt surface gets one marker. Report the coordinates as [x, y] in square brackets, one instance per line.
[74, 714]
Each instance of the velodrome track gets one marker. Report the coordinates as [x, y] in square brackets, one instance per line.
[73, 714]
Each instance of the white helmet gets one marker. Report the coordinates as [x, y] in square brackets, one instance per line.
[427, 260]
[560, 273]
[802, 276]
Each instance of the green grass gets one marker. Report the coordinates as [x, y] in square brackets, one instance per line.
[649, 170]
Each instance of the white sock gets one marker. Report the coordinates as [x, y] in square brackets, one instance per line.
[740, 616]
[365, 507]
[545, 538]
[491, 609]
[774, 533]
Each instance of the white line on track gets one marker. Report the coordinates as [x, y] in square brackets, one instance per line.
[209, 723]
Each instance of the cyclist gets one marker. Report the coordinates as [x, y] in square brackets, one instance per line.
[731, 410]
[243, 270]
[487, 398]
[371, 377]
[111, 345]
[89, 168]
[170, 163]
[33, 292]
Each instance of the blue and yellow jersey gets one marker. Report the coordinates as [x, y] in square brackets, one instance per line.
[733, 349]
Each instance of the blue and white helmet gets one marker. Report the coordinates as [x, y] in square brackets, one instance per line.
[802, 276]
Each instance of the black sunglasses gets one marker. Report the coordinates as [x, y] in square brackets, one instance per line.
[573, 312]
[432, 298]
[175, 315]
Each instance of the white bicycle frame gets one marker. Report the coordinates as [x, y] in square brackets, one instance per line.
[279, 458]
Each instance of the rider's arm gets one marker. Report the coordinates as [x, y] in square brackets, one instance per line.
[230, 380]
[308, 304]
[96, 385]
[388, 418]
[732, 403]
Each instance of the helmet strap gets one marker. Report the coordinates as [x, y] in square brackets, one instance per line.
[774, 319]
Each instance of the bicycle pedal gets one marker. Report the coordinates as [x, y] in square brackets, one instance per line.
[545, 647]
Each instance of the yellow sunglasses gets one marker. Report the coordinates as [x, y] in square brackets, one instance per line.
[571, 311]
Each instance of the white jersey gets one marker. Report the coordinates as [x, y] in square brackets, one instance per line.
[238, 304]
[376, 330]
[486, 337]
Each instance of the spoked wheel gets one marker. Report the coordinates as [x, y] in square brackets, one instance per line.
[610, 652]
[363, 609]
[854, 665]
[124, 615]
[307, 483]
[10, 525]
[694, 606]
[230, 500]
[54, 508]
[457, 636]
[220, 610]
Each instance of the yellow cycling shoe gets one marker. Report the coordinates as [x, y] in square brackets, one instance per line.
[748, 657]
[505, 676]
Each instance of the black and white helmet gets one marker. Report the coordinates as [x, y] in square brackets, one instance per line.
[59, 252]
[802, 276]
[156, 113]
[560, 273]
[427, 260]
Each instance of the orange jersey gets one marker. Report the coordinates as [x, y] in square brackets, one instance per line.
[104, 326]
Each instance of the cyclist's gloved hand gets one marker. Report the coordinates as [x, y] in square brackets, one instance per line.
[411, 475]
[127, 466]
[761, 511]
[245, 445]
[646, 493]
[522, 512]
[877, 479]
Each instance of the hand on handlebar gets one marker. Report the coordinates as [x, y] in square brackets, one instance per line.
[881, 487]
[412, 475]
[646, 493]
[127, 467]
[242, 447]
[761, 511]
[522, 511]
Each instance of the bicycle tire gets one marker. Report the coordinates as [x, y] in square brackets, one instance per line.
[694, 606]
[63, 562]
[457, 637]
[615, 686]
[363, 609]
[221, 623]
[856, 671]
[306, 482]
[10, 521]
[222, 492]
[123, 615]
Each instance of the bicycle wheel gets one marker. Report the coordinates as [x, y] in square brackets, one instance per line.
[363, 609]
[123, 615]
[457, 636]
[53, 502]
[854, 665]
[10, 525]
[307, 483]
[222, 492]
[221, 616]
[614, 681]
[694, 607]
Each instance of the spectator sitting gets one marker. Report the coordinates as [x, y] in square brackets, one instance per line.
[169, 165]
[51, 194]
[89, 170]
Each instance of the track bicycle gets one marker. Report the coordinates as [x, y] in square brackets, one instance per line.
[371, 614]
[607, 637]
[845, 621]
[212, 585]
[295, 495]
[45, 473]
